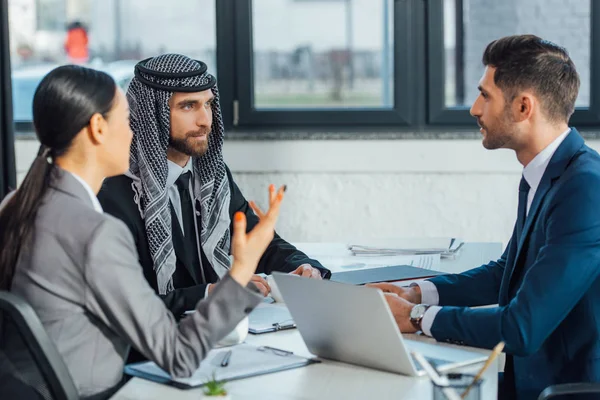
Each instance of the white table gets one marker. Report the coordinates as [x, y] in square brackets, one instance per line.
[330, 379]
[327, 380]
[471, 255]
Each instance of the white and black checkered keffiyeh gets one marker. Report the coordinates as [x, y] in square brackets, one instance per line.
[148, 94]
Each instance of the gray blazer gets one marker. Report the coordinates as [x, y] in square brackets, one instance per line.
[80, 273]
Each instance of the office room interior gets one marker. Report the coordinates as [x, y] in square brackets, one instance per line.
[361, 108]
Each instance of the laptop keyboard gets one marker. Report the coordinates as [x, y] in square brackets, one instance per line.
[435, 362]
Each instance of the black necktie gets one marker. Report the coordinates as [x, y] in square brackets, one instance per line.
[522, 210]
[187, 206]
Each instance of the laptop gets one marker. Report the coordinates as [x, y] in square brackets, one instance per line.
[354, 324]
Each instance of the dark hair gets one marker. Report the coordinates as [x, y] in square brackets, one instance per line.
[76, 25]
[63, 104]
[529, 62]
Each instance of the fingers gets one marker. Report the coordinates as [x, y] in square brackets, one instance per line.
[385, 287]
[262, 281]
[275, 198]
[272, 194]
[382, 286]
[306, 272]
[239, 229]
[256, 209]
[391, 297]
[316, 274]
[273, 211]
[262, 288]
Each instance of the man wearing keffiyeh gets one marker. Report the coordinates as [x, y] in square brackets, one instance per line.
[179, 197]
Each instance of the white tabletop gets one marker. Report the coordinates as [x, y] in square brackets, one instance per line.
[471, 255]
[330, 379]
[327, 380]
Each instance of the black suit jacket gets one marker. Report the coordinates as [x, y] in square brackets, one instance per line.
[116, 198]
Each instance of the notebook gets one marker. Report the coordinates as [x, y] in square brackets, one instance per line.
[270, 318]
[383, 274]
[245, 360]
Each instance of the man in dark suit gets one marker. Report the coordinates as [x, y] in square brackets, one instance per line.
[179, 197]
[546, 284]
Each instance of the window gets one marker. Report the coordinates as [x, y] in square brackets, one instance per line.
[120, 33]
[323, 62]
[7, 152]
[339, 62]
[467, 26]
[50, 15]
[401, 65]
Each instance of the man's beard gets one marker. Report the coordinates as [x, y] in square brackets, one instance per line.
[190, 147]
[501, 133]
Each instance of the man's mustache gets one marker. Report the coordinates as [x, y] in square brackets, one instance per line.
[199, 132]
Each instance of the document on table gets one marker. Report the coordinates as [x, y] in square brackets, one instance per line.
[270, 318]
[245, 360]
[446, 247]
[351, 263]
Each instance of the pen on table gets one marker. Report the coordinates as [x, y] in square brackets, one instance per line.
[440, 381]
[225, 361]
[495, 353]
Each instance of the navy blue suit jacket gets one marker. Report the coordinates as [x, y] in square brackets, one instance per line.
[546, 283]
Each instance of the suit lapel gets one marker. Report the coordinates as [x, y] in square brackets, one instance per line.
[558, 164]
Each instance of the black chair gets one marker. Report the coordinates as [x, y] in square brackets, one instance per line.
[30, 365]
[570, 389]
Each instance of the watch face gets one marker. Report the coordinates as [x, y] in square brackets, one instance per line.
[418, 311]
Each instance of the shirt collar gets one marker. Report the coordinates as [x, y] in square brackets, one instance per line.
[90, 192]
[175, 171]
[534, 171]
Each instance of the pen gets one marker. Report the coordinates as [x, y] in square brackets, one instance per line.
[225, 361]
[497, 350]
[440, 381]
[275, 350]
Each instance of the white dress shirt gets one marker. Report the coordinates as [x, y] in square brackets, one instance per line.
[90, 192]
[533, 173]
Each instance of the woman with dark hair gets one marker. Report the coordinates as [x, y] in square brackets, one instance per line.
[78, 267]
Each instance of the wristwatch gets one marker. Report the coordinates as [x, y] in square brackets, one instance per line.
[416, 315]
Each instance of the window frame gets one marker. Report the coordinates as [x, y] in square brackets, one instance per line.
[8, 173]
[441, 115]
[401, 114]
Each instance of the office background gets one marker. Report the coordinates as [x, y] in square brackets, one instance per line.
[359, 106]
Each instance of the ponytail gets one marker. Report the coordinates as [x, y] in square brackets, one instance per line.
[17, 218]
[63, 104]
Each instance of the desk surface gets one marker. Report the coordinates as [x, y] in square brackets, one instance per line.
[471, 255]
[328, 380]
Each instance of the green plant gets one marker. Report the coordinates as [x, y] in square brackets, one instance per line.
[215, 388]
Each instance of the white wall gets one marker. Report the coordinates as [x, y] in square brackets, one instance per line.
[346, 190]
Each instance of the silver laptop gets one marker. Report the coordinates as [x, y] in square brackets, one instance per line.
[354, 324]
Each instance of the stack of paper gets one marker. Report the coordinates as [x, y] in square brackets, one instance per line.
[446, 247]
